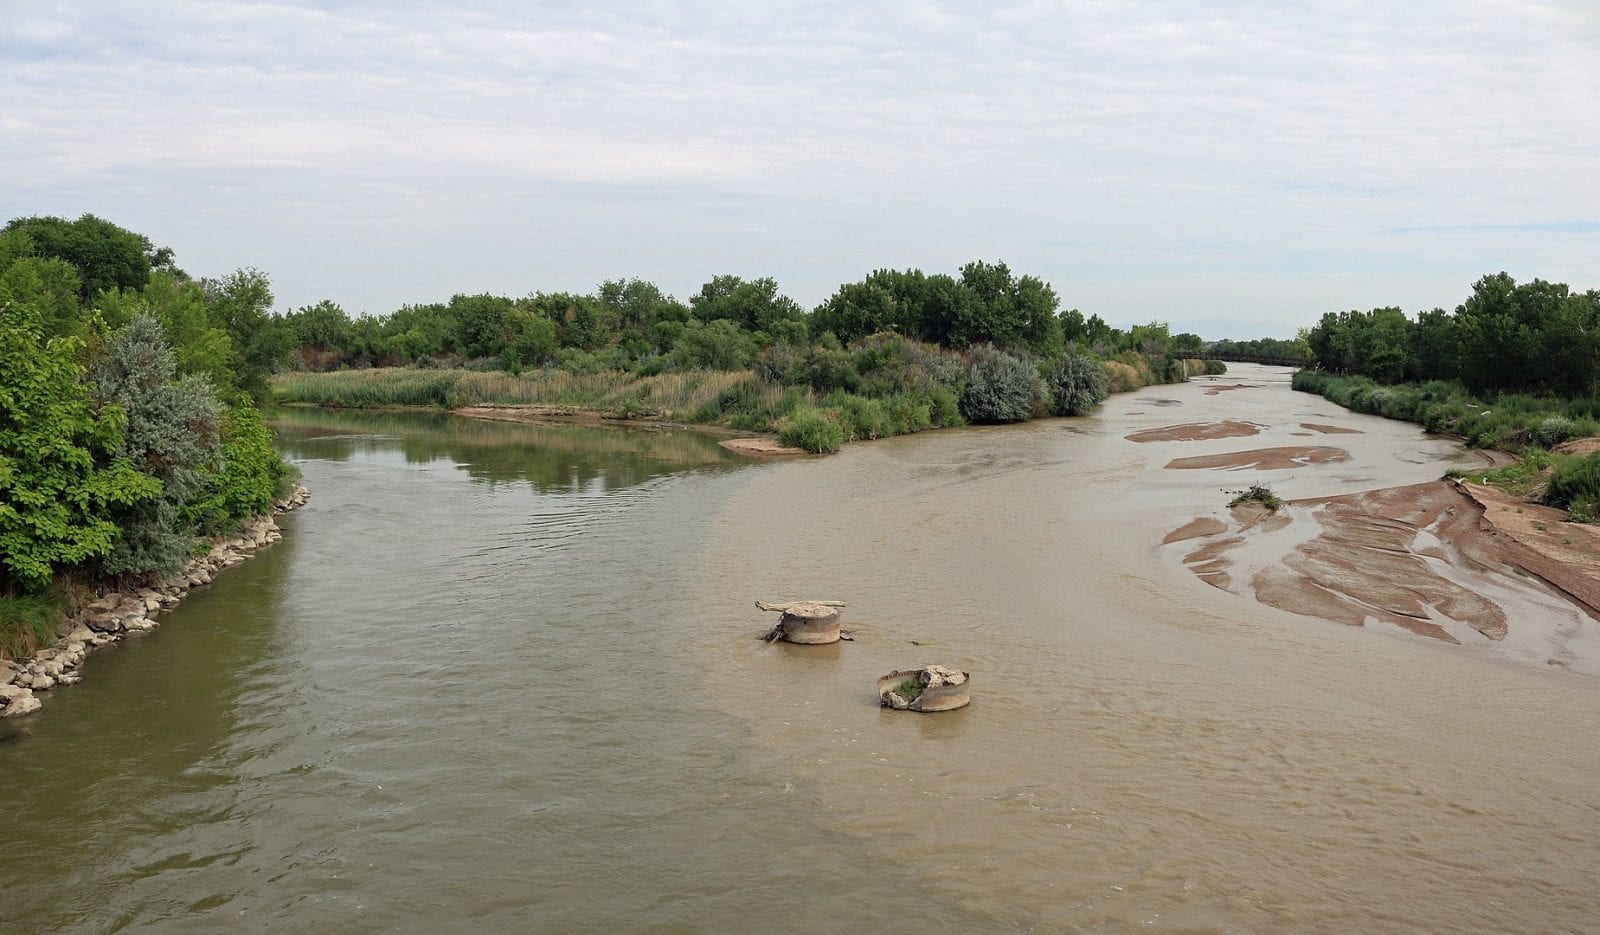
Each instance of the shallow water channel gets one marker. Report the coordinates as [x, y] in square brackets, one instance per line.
[506, 677]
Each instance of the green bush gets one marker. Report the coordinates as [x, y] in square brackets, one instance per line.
[56, 498]
[1552, 432]
[252, 475]
[864, 418]
[1000, 387]
[1575, 485]
[1080, 384]
[812, 430]
[1258, 494]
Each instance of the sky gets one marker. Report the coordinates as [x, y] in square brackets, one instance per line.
[1234, 168]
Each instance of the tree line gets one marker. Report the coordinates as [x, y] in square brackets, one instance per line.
[1534, 337]
[129, 424]
[631, 324]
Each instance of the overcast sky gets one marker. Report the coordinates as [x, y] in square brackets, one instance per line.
[1234, 168]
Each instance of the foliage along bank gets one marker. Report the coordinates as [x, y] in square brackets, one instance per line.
[128, 420]
[1514, 367]
[897, 352]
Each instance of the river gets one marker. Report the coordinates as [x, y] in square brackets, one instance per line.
[506, 677]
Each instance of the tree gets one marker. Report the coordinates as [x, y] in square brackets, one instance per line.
[48, 285]
[105, 255]
[530, 339]
[479, 324]
[241, 304]
[322, 332]
[170, 433]
[198, 346]
[754, 306]
[1435, 346]
[58, 477]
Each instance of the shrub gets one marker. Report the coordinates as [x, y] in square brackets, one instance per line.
[252, 474]
[1080, 385]
[864, 418]
[1552, 432]
[1258, 494]
[943, 408]
[812, 430]
[1575, 485]
[1000, 387]
[55, 502]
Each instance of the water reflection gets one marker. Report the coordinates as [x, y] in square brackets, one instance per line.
[554, 459]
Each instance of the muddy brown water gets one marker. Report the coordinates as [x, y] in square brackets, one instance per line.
[508, 677]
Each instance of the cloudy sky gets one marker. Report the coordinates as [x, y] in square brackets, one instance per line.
[1234, 168]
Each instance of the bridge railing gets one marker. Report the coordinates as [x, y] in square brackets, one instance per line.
[1253, 359]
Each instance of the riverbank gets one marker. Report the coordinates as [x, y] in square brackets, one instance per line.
[816, 399]
[113, 615]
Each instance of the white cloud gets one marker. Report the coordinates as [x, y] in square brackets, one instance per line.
[1093, 143]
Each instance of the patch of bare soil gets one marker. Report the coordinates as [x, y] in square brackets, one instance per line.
[760, 447]
[1330, 429]
[1262, 459]
[1579, 446]
[1543, 542]
[1196, 431]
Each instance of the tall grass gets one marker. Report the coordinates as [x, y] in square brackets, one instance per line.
[29, 622]
[365, 389]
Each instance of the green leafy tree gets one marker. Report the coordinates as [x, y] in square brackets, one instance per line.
[1435, 346]
[241, 304]
[198, 346]
[322, 334]
[714, 345]
[51, 287]
[58, 478]
[105, 255]
[753, 306]
[530, 339]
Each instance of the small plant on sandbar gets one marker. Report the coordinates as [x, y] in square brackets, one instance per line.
[1257, 494]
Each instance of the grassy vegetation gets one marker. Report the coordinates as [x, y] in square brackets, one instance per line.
[883, 386]
[1507, 421]
[28, 622]
[1574, 486]
[1526, 478]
